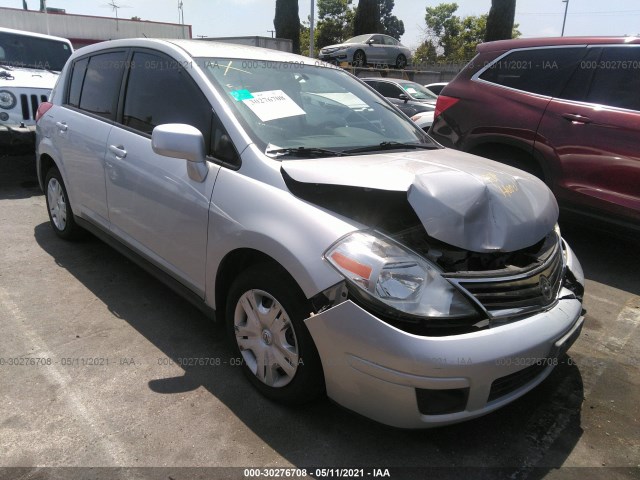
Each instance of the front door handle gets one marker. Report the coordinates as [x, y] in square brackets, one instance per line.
[118, 151]
[575, 118]
[62, 126]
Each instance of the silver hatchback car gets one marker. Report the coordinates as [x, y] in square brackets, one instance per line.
[348, 253]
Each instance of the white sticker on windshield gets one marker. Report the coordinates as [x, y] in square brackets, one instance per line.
[272, 105]
[410, 90]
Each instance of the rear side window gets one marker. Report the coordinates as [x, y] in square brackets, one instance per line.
[616, 81]
[389, 90]
[160, 91]
[543, 70]
[102, 84]
[77, 77]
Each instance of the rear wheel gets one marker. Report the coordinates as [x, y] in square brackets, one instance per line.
[359, 59]
[58, 206]
[401, 61]
[265, 317]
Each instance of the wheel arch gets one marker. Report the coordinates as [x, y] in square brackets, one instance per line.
[521, 155]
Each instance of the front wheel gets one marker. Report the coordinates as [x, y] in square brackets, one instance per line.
[60, 213]
[359, 59]
[265, 316]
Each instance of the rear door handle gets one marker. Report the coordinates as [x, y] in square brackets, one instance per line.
[62, 126]
[575, 118]
[118, 151]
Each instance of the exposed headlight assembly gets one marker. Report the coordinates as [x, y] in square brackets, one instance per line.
[385, 271]
[7, 100]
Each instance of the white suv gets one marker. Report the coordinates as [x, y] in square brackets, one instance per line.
[29, 67]
[347, 252]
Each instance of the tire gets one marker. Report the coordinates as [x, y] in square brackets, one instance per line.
[359, 59]
[401, 62]
[265, 314]
[59, 208]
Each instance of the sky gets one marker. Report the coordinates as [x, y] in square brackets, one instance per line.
[218, 18]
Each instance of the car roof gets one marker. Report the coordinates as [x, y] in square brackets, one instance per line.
[554, 41]
[201, 48]
[32, 34]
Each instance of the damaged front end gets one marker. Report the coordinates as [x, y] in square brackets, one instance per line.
[463, 289]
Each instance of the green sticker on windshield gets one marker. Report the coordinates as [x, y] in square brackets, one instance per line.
[240, 95]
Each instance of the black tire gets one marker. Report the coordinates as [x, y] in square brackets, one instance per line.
[359, 59]
[401, 62]
[58, 207]
[307, 382]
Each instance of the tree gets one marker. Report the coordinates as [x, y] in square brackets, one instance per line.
[367, 18]
[500, 20]
[287, 22]
[454, 39]
[391, 25]
[335, 22]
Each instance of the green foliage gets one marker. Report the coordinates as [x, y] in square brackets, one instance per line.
[500, 21]
[391, 25]
[451, 38]
[335, 22]
[367, 18]
[287, 22]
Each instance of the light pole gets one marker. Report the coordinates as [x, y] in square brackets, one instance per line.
[566, 7]
[311, 54]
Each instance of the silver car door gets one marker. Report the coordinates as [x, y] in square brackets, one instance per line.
[154, 204]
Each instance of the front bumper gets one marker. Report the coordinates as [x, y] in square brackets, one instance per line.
[390, 376]
[17, 139]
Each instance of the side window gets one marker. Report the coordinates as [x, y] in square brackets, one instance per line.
[377, 40]
[616, 81]
[578, 86]
[390, 41]
[160, 91]
[544, 71]
[75, 85]
[389, 90]
[102, 84]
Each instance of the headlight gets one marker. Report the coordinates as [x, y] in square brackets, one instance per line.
[385, 271]
[7, 99]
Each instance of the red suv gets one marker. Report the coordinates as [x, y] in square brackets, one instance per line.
[565, 109]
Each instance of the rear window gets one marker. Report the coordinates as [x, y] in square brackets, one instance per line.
[544, 71]
[102, 84]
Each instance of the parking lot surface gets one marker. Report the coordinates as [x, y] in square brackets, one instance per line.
[102, 366]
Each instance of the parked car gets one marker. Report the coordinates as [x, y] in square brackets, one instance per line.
[436, 88]
[564, 109]
[408, 96]
[29, 67]
[424, 119]
[371, 48]
[346, 251]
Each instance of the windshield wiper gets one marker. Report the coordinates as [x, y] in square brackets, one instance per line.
[391, 146]
[303, 152]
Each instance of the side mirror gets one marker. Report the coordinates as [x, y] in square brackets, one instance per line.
[178, 140]
[371, 41]
[404, 96]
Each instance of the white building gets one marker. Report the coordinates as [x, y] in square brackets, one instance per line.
[84, 29]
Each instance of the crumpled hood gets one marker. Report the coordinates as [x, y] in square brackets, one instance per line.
[29, 78]
[463, 200]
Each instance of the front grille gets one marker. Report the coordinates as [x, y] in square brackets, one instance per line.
[29, 104]
[522, 293]
[510, 383]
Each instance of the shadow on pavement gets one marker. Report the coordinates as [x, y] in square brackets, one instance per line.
[18, 178]
[528, 438]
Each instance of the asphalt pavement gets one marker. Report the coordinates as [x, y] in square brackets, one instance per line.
[106, 373]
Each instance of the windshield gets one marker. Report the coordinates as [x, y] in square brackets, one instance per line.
[418, 91]
[285, 105]
[33, 52]
[358, 39]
